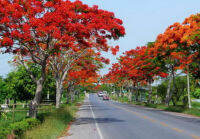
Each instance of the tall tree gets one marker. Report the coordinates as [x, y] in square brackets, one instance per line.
[38, 29]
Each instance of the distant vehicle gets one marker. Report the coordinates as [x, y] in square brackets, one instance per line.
[105, 97]
[100, 94]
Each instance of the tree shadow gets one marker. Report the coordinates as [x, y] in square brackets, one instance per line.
[88, 120]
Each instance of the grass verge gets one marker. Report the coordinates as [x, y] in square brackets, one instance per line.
[55, 122]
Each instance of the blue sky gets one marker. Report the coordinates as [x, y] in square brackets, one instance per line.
[143, 20]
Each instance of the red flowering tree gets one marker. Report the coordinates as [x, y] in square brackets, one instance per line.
[141, 67]
[84, 72]
[37, 30]
[179, 47]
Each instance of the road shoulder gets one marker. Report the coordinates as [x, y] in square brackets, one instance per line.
[84, 126]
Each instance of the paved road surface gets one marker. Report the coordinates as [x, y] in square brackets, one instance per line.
[100, 119]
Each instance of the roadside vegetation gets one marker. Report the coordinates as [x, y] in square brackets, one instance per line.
[178, 103]
[56, 122]
[50, 122]
[57, 51]
[164, 73]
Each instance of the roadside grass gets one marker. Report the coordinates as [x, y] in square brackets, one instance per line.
[55, 122]
[8, 118]
[120, 99]
[20, 114]
[196, 105]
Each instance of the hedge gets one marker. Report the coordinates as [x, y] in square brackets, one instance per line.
[18, 128]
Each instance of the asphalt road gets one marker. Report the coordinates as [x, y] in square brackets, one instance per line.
[98, 119]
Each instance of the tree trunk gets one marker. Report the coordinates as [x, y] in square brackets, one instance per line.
[68, 95]
[173, 88]
[137, 92]
[130, 95]
[14, 103]
[36, 101]
[120, 91]
[72, 94]
[170, 93]
[68, 98]
[78, 94]
[167, 100]
[58, 92]
[150, 92]
[188, 88]
[7, 101]
[72, 97]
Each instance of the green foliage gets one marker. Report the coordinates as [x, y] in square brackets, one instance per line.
[3, 90]
[19, 86]
[55, 122]
[179, 93]
[18, 128]
[6, 118]
[32, 122]
[162, 90]
[196, 93]
[196, 105]
[106, 87]
[4, 132]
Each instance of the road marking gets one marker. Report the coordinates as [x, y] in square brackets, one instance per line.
[145, 117]
[178, 130]
[164, 124]
[97, 126]
[152, 120]
[194, 136]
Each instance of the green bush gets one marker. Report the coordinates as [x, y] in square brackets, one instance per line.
[18, 128]
[196, 93]
[32, 122]
[175, 108]
[4, 132]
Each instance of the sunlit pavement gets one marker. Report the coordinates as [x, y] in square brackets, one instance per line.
[98, 119]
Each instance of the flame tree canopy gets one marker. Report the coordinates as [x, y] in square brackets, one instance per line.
[38, 29]
[179, 44]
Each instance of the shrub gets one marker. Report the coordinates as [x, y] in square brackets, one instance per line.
[18, 128]
[4, 132]
[32, 122]
[196, 93]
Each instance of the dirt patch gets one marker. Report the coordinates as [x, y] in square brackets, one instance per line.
[11, 136]
[78, 104]
[66, 131]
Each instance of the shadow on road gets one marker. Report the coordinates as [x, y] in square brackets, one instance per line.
[88, 120]
[97, 108]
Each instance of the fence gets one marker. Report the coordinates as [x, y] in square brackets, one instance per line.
[13, 108]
